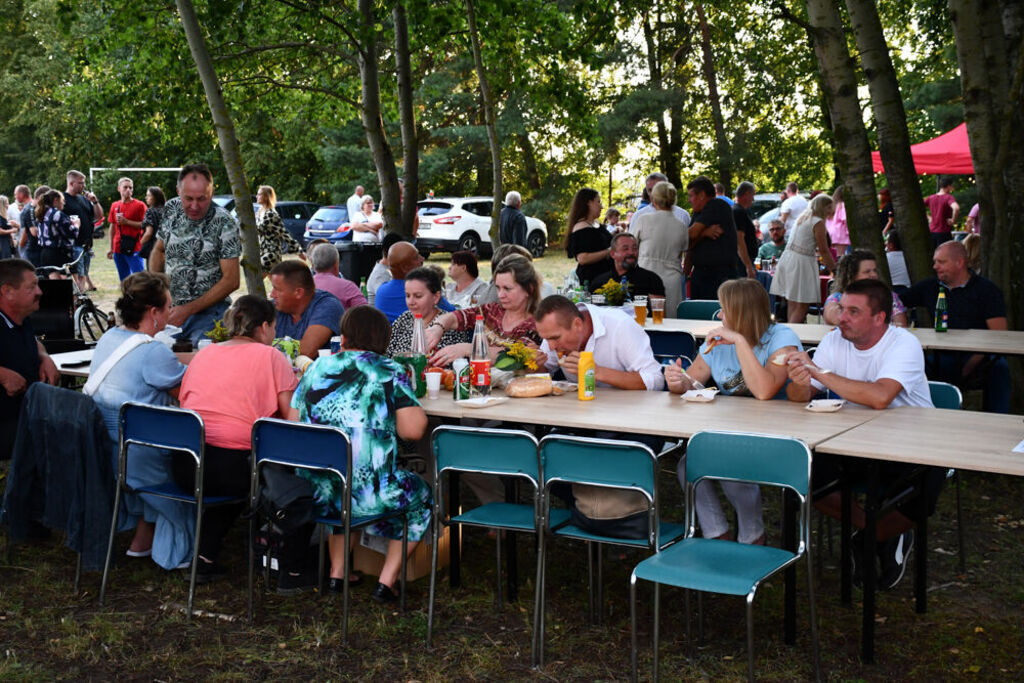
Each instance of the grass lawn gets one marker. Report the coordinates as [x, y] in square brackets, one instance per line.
[974, 627]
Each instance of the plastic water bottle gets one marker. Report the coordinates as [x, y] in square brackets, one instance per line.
[480, 361]
[626, 298]
[419, 335]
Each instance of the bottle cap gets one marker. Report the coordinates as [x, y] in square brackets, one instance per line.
[417, 315]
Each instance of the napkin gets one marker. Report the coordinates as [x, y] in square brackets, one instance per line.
[825, 405]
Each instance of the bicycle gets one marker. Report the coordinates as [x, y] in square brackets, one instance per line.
[89, 321]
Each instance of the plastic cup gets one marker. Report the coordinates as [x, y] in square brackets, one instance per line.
[658, 309]
[640, 310]
[433, 384]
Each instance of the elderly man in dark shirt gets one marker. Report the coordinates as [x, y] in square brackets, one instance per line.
[23, 359]
[624, 253]
[972, 302]
[512, 225]
[713, 240]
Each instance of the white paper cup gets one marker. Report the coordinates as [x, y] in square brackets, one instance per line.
[433, 384]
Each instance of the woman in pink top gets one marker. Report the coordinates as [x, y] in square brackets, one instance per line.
[231, 385]
[836, 226]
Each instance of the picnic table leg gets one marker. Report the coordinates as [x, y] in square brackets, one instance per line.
[789, 543]
[921, 551]
[846, 579]
[455, 544]
[512, 567]
[868, 564]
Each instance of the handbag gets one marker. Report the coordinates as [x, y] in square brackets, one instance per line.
[127, 245]
[285, 499]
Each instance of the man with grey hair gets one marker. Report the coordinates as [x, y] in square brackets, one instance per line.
[652, 180]
[324, 261]
[513, 223]
[746, 237]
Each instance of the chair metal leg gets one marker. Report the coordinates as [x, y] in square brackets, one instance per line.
[540, 600]
[960, 523]
[195, 563]
[750, 637]
[501, 600]
[590, 581]
[689, 629]
[657, 626]
[110, 544]
[321, 528]
[813, 618]
[632, 628]
[252, 565]
[536, 602]
[78, 571]
[435, 526]
[405, 553]
[599, 588]
[344, 586]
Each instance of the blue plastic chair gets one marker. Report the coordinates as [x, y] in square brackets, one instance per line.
[173, 429]
[510, 453]
[628, 465]
[699, 309]
[667, 346]
[726, 567]
[318, 448]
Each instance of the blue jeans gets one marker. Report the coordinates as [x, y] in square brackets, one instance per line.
[198, 324]
[126, 265]
[83, 266]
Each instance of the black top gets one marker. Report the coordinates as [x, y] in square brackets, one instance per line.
[641, 281]
[969, 306]
[512, 226]
[715, 253]
[588, 240]
[885, 214]
[18, 352]
[743, 222]
[78, 205]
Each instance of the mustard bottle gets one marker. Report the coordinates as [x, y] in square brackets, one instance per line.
[585, 380]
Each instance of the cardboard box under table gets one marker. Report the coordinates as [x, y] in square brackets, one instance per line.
[368, 555]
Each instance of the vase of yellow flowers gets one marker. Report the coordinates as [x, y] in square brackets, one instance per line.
[612, 292]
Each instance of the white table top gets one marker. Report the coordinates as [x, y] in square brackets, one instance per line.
[63, 360]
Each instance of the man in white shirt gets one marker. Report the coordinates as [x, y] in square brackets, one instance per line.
[870, 362]
[622, 350]
[652, 180]
[792, 207]
[355, 201]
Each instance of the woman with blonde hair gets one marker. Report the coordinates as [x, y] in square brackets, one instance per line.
[972, 245]
[741, 356]
[663, 241]
[271, 231]
[796, 276]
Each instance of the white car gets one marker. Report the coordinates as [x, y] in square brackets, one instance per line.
[463, 224]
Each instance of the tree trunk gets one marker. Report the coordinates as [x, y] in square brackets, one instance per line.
[853, 153]
[230, 151]
[373, 122]
[489, 120]
[893, 138]
[410, 141]
[654, 67]
[721, 141]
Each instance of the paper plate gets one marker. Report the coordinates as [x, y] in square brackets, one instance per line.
[483, 401]
[825, 405]
[700, 395]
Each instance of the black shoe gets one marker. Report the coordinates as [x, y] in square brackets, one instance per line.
[208, 572]
[856, 557]
[335, 585]
[383, 594]
[292, 584]
[894, 554]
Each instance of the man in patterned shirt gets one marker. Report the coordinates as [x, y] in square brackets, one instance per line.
[198, 247]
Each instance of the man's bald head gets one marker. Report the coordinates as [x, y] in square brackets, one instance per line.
[402, 258]
[950, 263]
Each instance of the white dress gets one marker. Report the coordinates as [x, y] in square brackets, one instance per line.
[796, 276]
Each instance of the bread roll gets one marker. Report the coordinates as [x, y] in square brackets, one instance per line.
[529, 386]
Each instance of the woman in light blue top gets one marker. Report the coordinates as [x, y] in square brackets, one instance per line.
[145, 371]
[739, 356]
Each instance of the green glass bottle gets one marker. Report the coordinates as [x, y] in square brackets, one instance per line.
[941, 312]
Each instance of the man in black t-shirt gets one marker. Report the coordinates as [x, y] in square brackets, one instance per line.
[712, 254]
[972, 302]
[624, 253]
[746, 236]
[23, 359]
[85, 205]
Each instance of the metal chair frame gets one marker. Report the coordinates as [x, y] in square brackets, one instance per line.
[327, 461]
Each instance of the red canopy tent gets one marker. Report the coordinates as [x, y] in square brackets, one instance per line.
[948, 154]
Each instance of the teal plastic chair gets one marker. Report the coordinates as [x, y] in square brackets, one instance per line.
[316, 448]
[504, 452]
[172, 429]
[948, 396]
[717, 566]
[699, 309]
[616, 464]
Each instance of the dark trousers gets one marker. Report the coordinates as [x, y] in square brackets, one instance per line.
[227, 474]
[705, 281]
[940, 238]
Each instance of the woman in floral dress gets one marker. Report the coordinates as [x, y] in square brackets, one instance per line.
[368, 396]
[274, 238]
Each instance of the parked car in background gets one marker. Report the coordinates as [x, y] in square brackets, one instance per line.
[330, 223]
[764, 202]
[451, 224]
[762, 221]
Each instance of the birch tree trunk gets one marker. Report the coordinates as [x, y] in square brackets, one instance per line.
[853, 153]
[721, 141]
[373, 122]
[489, 120]
[230, 150]
[893, 138]
[410, 140]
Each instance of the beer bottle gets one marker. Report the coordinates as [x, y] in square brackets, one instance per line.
[941, 312]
